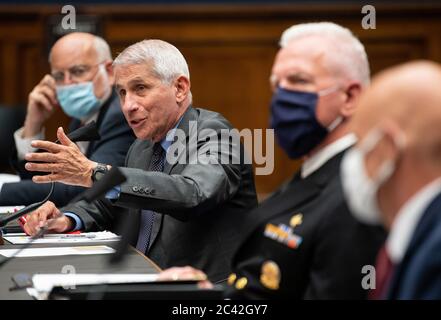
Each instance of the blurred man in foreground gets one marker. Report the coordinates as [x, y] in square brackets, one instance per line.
[393, 176]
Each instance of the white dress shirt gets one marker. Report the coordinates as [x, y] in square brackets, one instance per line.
[23, 145]
[313, 163]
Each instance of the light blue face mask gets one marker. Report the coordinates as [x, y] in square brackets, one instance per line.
[78, 100]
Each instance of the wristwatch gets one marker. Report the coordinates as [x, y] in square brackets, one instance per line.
[99, 171]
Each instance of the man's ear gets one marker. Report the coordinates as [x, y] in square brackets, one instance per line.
[182, 87]
[352, 95]
[108, 66]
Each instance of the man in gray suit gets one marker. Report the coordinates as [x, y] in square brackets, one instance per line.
[189, 198]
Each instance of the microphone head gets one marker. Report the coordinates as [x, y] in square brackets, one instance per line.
[88, 132]
[111, 179]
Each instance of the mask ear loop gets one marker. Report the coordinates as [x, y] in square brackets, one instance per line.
[325, 92]
[388, 167]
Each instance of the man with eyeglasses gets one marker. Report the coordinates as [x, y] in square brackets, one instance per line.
[81, 83]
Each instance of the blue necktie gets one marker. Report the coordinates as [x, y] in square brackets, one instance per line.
[148, 216]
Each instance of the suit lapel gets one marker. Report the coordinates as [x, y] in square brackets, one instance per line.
[184, 125]
[189, 115]
[429, 218]
[298, 192]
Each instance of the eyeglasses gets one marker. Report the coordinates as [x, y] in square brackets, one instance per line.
[76, 73]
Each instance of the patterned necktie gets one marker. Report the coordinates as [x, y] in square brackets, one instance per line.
[148, 216]
[384, 269]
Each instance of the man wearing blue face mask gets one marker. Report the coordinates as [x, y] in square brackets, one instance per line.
[81, 83]
[302, 242]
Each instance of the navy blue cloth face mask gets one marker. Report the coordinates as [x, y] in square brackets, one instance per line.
[294, 121]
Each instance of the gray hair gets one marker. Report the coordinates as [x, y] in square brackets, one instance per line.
[168, 62]
[348, 53]
[102, 48]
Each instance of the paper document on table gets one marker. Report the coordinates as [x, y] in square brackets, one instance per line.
[10, 209]
[60, 251]
[43, 283]
[64, 238]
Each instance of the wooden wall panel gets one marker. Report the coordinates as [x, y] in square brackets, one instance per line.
[230, 50]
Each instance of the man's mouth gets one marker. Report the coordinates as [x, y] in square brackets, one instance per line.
[137, 122]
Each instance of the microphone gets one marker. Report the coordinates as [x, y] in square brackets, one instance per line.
[111, 179]
[88, 132]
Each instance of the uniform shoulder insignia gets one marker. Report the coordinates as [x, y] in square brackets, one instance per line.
[270, 275]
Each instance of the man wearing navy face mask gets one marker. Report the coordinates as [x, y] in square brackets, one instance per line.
[302, 242]
[81, 83]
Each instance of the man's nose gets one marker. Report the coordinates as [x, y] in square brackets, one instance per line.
[67, 79]
[130, 103]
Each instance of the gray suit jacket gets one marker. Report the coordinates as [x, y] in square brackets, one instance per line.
[202, 206]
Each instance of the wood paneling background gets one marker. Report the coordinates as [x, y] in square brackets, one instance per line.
[230, 50]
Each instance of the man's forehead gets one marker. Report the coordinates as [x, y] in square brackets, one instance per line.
[299, 56]
[125, 74]
[68, 55]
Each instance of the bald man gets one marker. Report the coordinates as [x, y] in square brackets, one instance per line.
[81, 83]
[393, 176]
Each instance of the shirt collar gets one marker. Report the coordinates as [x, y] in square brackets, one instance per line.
[313, 163]
[407, 220]
[168, 139]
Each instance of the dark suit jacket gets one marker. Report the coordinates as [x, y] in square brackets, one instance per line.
[328, 246]
[418, 276]
[116, 138]
[202, 205]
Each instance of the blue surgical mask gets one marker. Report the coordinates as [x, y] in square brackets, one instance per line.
[78, 100]
[293, 118]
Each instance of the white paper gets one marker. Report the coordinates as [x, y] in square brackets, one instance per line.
[64, 238]
[60, 251]
[6, 178]
[10, 209]
[43, 283]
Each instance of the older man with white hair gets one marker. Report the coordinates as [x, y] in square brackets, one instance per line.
[189, 212]
[81, 84]
[302, 242]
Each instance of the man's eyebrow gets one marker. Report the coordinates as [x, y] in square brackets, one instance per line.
[135, 80]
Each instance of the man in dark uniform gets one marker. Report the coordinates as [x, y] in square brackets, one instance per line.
[302, 242]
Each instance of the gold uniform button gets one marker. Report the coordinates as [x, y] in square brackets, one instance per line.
[241, 283]
[270, 275]
[231, 279]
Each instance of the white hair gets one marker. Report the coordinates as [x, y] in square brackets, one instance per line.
[167, 61]
[102, 49]
[347, 55]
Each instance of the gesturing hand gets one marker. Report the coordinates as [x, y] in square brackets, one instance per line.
[65, 161]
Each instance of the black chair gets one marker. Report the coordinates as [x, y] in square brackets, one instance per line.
[11, 118]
